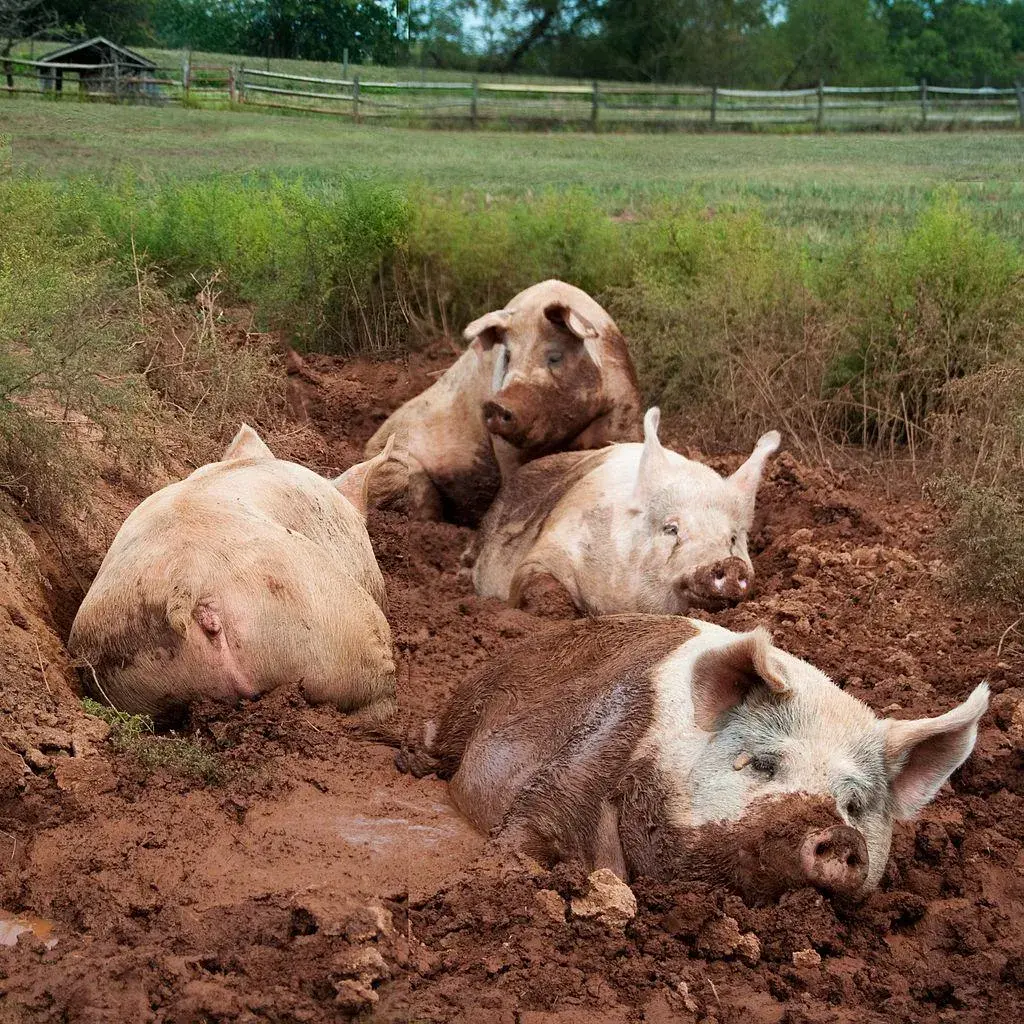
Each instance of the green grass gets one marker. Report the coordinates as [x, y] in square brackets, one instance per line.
[822, 186]
[135, 735]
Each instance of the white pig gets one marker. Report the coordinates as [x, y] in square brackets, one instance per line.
[660, 746]
[252, 573]
[628, 528]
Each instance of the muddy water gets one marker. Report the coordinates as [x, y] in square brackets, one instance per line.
[13, 925]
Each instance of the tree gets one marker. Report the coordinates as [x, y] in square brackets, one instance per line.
[842, 41]
[954, 42]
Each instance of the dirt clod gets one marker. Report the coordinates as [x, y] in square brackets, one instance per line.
[607, 899]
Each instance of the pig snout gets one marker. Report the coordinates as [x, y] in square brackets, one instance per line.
[500, 420]
[729, 580]
[835, 859]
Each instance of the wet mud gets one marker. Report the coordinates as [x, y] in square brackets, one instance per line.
[313, 882]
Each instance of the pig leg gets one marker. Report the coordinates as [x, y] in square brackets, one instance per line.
[423, 497]
[542, 595]
[562, 810]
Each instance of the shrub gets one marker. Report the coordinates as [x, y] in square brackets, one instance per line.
[922, 309]
[470, 254]
[985, 532]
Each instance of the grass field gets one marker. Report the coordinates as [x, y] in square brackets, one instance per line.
[824, 184]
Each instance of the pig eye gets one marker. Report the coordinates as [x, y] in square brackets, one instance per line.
[733, 539]
[554, 357]
[764, 765]
[854, 807]
[672, 529]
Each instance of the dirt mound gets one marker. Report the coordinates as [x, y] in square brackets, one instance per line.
[313, 882]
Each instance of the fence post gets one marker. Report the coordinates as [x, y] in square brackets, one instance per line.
[9, 75]
[473, 104]
[714, 105]
[1020, 102]
[232, 89]
[344, 63]
[117, 81]
[186, 78]
[924, 102]
[820, 122]
[355, 98]
[240, 83]
[595, 106]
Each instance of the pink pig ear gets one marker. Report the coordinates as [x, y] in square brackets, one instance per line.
[654, 465]
[747, 478]
[486, 330]
[724, 676]
[246, 444]
[354, 483]
[924, 752]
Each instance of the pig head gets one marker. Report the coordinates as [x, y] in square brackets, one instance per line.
[660, 746]
[633, 528]
[561, 377]
[548, 372]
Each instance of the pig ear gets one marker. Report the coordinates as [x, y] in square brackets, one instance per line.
[724, 676]
[486, 330]
[247, 444]
[924, 752]
[354, 483]
[576, 324]
[747, 478]
[654, 464]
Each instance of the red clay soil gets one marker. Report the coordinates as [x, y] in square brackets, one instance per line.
[310, 881]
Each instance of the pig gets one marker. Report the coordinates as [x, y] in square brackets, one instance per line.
[549, 372]
[664, 747]
[251, 573]
[628, 528]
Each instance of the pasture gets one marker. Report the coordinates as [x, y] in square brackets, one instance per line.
[166, 274]
[828, 185]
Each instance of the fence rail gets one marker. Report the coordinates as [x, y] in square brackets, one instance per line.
[614, 106]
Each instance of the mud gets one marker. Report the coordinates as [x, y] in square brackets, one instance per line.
[316, 883]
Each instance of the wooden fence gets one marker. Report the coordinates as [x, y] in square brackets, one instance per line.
[613, 107]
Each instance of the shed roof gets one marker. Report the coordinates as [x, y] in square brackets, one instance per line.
[97, 50]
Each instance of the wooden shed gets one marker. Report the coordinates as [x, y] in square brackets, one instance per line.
[101, 67]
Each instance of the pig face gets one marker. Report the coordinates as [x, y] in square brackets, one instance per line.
[690, 526]
[546, 382]
[781, 735]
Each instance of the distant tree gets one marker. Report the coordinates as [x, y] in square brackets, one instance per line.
[840, 41]
[313, 29]
[955, 42]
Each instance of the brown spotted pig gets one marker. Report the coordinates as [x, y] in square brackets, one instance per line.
[659, 746]
[549, 372]
[629, 528]
[251, 573]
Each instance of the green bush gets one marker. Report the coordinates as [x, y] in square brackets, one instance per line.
[67, 330]
[469, 255]
[308, 258]
[922, 308]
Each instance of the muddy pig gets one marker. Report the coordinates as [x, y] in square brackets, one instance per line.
[251, 573]
[549, 372]
[660, 746]
[630, 528]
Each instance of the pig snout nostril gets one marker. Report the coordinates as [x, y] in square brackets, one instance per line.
[836, 859]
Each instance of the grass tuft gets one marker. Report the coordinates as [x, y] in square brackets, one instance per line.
[135, 735]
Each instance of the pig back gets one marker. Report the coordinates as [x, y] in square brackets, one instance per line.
[232, 586]
[557, 718]
[531, 500]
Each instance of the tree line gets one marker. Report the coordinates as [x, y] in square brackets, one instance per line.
[766, 43]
